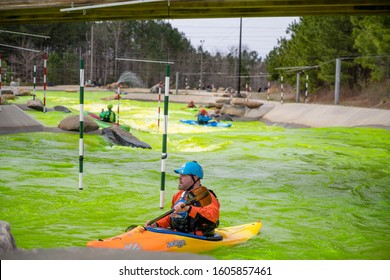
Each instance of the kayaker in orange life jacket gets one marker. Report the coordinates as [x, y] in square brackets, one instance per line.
[192, 218]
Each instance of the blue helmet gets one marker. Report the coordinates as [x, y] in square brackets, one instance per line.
[191, 168]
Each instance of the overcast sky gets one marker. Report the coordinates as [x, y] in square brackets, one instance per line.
[258, 34]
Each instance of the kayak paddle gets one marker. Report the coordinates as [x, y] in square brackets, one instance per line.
[199, 194]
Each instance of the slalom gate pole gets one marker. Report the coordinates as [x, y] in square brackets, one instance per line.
[158, 107]
[34, 80]
[44, 82]
[306, 87]
[246, 91]
[119, 102]
[81, 140]
[164, 154]
[281, 90]
[0, 80]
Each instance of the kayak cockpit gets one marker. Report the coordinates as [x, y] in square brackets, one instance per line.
[215, 237]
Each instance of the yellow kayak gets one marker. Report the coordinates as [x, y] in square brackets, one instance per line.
[161, 239]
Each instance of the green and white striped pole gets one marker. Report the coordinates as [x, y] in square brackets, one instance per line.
[119, 103]
[164, 154]
[0, 79]
[81, 140]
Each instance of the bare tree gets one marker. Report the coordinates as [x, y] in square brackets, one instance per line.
[24, 60]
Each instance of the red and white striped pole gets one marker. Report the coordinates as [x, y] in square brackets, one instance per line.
[281, 90]
[0, 80]
[246, 91]
[44, 82]
[158, 109]
[119, 102]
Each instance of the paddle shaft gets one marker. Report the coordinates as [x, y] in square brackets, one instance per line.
[201, 195]
[188, 202]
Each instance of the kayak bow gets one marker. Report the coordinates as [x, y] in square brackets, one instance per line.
[103, 124]
[209, 124]
[160, 239]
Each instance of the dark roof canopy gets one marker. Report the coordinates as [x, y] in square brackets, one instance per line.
[43, 11]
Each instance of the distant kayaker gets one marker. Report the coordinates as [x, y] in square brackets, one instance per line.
[193, 218]
[109, 115]
[203, 117]
[191, 104]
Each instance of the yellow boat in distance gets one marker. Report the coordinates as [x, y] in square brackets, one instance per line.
[164, 240]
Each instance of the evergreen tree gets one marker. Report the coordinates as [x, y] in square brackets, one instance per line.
[372, 39]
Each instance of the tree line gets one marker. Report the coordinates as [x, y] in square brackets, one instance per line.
[362, 42]
[100, 43]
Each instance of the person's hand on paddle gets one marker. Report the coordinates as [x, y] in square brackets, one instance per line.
[200, 194]
[151, 225]
[180, 207]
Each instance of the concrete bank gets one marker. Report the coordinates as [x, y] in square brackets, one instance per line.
[315, 115]
[14, 120]
[293, 114]
[288, 114]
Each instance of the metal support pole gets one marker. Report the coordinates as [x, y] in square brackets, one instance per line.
[201, 66]
[298, 87]
[268, 86]
[91, 74]
[177, 83]
[239, 62]
[337, 82]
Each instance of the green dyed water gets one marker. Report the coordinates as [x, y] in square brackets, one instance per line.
[320, 193]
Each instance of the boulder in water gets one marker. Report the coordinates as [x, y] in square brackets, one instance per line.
[72, 123]
[35, 104]
[233, 110]
[22, 92]
[253, 104]
[118, 136]
[60, 108]
[7, 241]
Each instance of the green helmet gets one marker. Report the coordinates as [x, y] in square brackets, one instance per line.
[109, 106]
